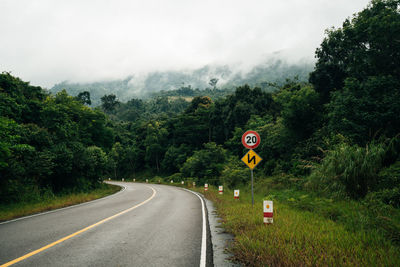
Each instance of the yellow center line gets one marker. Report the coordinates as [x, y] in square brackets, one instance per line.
[77, 233]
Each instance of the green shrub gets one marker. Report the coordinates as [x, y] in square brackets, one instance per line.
[235, 173]
[158, 179]
[390, 196]
[205, 164]
[389, 185]
[383, 216]
[176, 177]
[348, 170]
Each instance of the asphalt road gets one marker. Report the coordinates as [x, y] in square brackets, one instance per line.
[143, 225]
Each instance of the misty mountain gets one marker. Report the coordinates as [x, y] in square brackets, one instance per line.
[145, 86]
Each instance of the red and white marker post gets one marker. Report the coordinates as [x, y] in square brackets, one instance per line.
[205, 187]
[268, 212]
[220, 189]
[236, 194]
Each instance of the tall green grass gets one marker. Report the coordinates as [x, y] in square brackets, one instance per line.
[50, 202]
[349, 170]
[307, 231]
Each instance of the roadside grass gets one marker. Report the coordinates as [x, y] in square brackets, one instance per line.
[15, 210]
[307, 231]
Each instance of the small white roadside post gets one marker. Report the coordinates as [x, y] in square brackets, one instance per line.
[236, 194]
[220, 189]
[268, 212]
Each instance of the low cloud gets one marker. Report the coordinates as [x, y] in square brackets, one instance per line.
[47, 41]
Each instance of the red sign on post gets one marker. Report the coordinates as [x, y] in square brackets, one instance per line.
[251, 139]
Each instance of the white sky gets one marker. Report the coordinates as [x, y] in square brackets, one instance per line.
[48, 41]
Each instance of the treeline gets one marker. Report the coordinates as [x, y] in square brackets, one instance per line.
[163, 104]
[189, 92]
[48, 144]
[191, 82]
[96, 90]
[138, 109]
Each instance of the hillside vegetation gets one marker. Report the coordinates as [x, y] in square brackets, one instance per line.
[272, 71]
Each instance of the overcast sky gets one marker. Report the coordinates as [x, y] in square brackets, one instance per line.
[49, 41]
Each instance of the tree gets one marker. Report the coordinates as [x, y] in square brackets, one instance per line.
[235, 110]
[133, 110]
[95, 163]
[205, 164]
[366, 110]
[213, 82]
[84, 98]
[7, 140]
[197, 102]
[133, 159]
[191, 128]
[175, 157]
[358, 73]
[109, 103]
[48, 143]
[367, 45]
[115, 158]
[301, 111]
[154, 142]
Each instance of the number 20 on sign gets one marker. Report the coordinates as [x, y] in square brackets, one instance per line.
[251, 139]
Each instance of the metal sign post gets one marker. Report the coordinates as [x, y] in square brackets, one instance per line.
[252, 189]
[251, 140]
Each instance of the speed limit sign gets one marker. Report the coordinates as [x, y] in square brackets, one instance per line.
[251, 139]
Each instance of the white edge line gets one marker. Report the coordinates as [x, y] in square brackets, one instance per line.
[65, 208]
[204, 231]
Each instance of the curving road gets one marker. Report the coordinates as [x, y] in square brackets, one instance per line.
[142, 225]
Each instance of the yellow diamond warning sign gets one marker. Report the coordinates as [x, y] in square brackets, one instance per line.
[251, 159]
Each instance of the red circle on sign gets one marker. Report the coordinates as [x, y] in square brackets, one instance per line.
[248, 139]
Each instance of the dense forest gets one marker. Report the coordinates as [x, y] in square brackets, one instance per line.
[336, 134]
